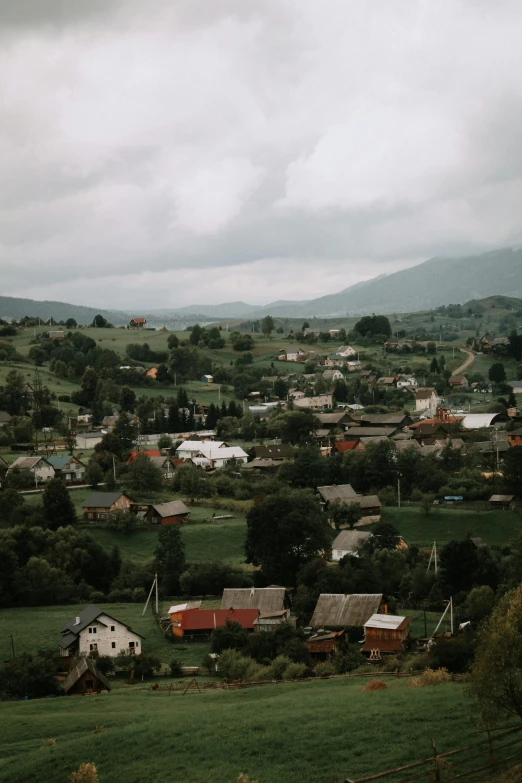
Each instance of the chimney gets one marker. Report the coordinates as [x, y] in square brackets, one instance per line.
[77, 621]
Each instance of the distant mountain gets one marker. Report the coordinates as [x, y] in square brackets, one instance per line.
[13, 307]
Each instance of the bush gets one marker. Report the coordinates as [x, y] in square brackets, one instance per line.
[325, 669]
[176, 669]
[431, 677]
[349, 660]
[105, 664]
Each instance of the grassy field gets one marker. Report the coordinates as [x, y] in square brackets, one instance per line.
[291, 733]
[497, 527]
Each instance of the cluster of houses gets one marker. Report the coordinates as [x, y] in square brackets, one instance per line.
[337, 618]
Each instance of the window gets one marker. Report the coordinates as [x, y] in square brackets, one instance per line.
[113, 627]
[137, 643]
[93, 647]
[89, 684]
[94, 630]
[90, 630]
[131, 644]
[113, 645]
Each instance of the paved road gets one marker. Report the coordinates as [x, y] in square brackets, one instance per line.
[464, 365]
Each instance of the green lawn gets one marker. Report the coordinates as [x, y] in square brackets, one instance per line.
[497, 528]
[291, 733]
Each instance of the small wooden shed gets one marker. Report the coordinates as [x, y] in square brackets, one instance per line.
[501, 501]
[85, 679]
[173, 513]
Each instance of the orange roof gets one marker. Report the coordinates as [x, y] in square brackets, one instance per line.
[446, 420]
[148, 453]
[139, 320]
[345, 445]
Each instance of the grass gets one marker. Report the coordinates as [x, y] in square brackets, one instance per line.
[290, 733]
[497, 528]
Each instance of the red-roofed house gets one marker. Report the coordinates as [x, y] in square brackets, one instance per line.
[148, 453]
[341, 446]
[202, 622]
[137, 323]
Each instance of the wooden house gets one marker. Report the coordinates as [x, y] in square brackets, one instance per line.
[324, 646]
[99, 505]
[85, 679]
[40, 467]
[137, 323]
[194, 623]
[348, 542]
[173, 513]
[385, 634]
[266, 599]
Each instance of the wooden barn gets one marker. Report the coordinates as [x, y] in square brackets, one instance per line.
[266, 599]
[501, 501]
[173, 513]
[85, 679]
[99, 505]
[324, 646]
[385, 634]
[192, 622]
[339, 610]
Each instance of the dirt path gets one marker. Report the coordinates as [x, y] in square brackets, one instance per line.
[464, 365]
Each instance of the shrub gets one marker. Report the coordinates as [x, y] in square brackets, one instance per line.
[431, 677]
[295, 671]
[86, 773]
[233, 665]
[349, 660]
[325, 669]
[278, 667]
[176, 669]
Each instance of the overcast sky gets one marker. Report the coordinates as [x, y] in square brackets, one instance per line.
[174, 152]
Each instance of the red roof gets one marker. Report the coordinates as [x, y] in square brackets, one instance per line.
[345, 445]
[148, 453]
[208, 619]
[139, 320]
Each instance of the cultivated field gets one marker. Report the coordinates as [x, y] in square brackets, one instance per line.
[275, 733]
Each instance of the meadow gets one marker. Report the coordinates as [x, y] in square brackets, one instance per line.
[291, 732]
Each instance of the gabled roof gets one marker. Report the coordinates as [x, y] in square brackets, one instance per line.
[266, 599]
[139, 320]
[371, 432]
[59, 461]
[88, 616]
[184, 607]
[345, 445]
[85, 664]
[337, 609]
[102, 499]
[27, 463]
[501, 498]
[425, 394]
[388, 622]
[275, 451]
[350, 540]
[337, 492]
[172, 509]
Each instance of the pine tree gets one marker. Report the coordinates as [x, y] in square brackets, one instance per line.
[169, 559]
[58, 508]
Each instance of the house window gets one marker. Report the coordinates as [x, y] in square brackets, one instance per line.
[93, 647]
[131, 644]
[113, 645]
[113, 627]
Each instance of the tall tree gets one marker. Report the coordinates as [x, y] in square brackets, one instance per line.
[126, 431]
[169, 559]
[267, 325]
[284, 532]
[58, 507]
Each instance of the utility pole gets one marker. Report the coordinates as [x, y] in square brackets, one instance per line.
[12, 646]
[399, 489]
[157, 609]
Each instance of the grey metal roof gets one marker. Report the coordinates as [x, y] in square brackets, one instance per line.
[67, 640]
[90, 615]
[501, 498]
[475, 421]
[335, 610]
[337, 492]
[101, 499]
[85, 664]
[371, 432]
[266, 599]
[350, 540]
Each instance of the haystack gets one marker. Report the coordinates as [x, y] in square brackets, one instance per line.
[375, 685]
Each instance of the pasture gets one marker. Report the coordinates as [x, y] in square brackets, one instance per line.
[292, 732]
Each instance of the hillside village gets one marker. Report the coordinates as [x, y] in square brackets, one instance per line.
[320, 503]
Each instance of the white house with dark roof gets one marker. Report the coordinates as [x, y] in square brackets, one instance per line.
[41, 469]
[94, 632]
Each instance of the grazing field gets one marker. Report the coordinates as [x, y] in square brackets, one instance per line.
[293, 733]
[497, 528]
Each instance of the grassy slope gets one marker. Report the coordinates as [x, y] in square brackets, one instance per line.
[495, 527]
[289, 733]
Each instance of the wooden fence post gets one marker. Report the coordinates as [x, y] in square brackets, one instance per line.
[436, 768]
[491, 750]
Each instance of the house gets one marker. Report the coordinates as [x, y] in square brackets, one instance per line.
[340, 492]
[338, 610]
[266, 599]
[371, 432]
[190, 447]
[56, 335]
[385, 634]
[88, 440]
[340, 446]
[427, 400]
[151, 373]
[387, 381]
[399, 420]
[5, 419]
[174, 512]
[324, 646]
[406, 382]
[315, 403]
[333, 333]
[210, 455]
[262, 466]
[133, 455]
[67, 467]
[333, 375]
[276, 451]
[458, 381]
[353, 366]
[346, 351]
[331, 421]
[501, 501]
[194, 623]
[309, 331]
[295, 354]
[94, 632]
[207, 379]
[137, 323]
[40, 467]
[515, 437]
[99, 505]
[334, 360]
[166, 465]
[84, 679]
[348, 542]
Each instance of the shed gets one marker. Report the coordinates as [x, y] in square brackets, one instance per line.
[385, 634]
[269, 621]
[348, 542]
[201, 622]
[323, 646]
[501, 501]
[173, 513]
[85, 679]
[342, 492]
[266, 599]
[207, 379]
[338, 610]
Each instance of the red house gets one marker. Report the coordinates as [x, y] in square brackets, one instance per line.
[137, 323]
[201, 622]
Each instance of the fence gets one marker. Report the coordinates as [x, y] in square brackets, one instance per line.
[501, 748]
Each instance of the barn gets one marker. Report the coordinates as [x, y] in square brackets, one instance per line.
[338, 610]
[85, 679]
[385, 634]
[194, 623]
[173, 513]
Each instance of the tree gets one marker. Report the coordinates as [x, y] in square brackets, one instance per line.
[71, 323]
[267, 325]
[127, 399]
[144, 475]
[280, 388]
[100, 322]
[127, 433]
[58, 507]
[14, 392]
[93, 474]
[512, 469]
[497, 373]
[32, 676]
[384, 536]
[285, 531]
[434, 366]
[496, 676]
[370, 325]
[231, 637]
[293, 426]
[344, 514]
[172, 341]
[169, 559]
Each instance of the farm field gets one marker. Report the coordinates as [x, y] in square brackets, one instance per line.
[497, 528]
[292, 733]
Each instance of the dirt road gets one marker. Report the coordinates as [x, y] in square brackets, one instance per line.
[464, 366]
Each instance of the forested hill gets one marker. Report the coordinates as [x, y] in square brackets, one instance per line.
[12, 307]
